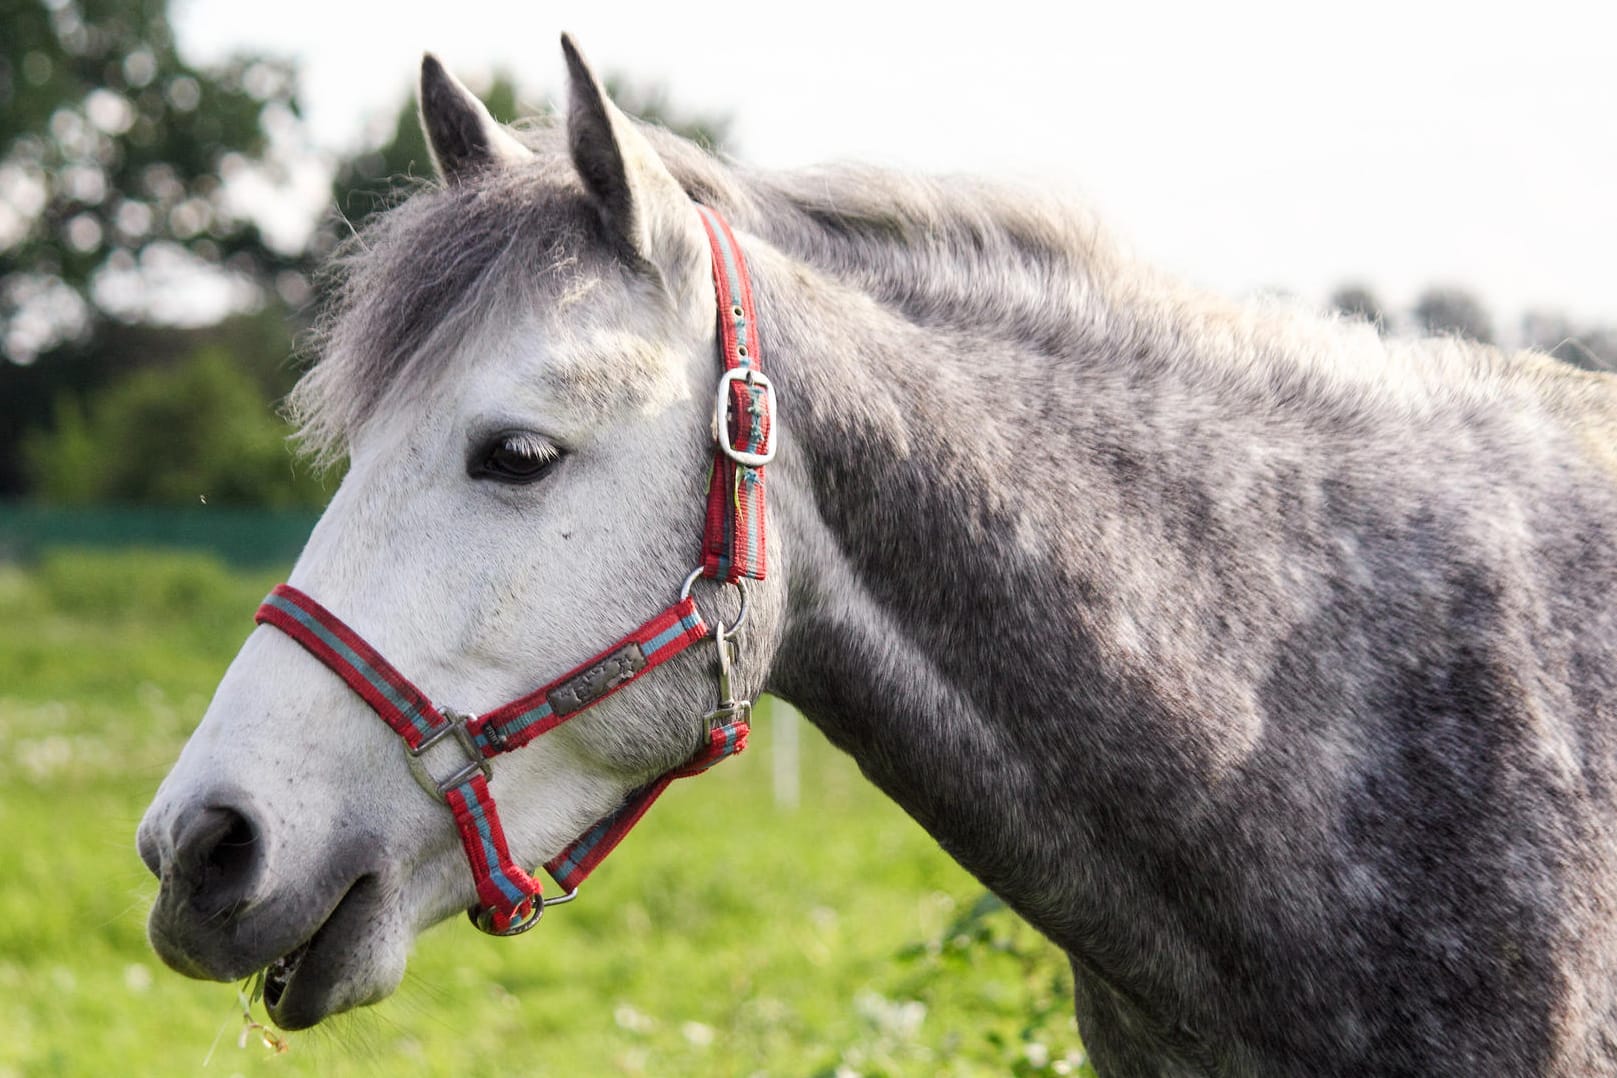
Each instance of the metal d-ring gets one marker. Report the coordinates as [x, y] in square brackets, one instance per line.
[740, 585]
[483, 918]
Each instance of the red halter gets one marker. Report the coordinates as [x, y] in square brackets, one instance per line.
[732, 551]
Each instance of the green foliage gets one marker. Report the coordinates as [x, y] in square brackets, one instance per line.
[727, 936]
[198, 431]
[375, 179]
[116, 153]
[1021, 991]
[652, 104]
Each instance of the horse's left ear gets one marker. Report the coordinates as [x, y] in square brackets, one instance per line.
[644, 208]
[462, 135]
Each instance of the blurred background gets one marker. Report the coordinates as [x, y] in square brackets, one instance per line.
[172, 176]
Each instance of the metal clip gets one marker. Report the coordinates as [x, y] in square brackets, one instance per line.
[454, 726]
[729, 707]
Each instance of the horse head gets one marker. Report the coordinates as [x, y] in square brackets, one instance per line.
[520, 373]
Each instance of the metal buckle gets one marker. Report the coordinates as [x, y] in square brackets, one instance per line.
[721, 416]
[455, 727]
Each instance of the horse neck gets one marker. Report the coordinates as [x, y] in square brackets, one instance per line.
[1139, 608]
[997, 562]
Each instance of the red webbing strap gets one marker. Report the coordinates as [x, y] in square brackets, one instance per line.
[570, 867]
[515, 724]
[325, 636]
[505, 890]
[733, 540]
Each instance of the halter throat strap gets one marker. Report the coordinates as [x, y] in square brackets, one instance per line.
[449, 752]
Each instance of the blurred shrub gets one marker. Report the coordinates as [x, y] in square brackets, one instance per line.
[1020, 996]
[196, 431]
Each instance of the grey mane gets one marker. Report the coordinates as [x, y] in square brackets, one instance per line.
[959, 254]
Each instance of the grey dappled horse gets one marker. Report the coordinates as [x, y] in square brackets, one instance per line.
[1266, 665]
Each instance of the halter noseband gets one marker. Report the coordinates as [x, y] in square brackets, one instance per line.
[510, 900]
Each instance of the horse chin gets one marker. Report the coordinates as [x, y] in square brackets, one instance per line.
[354, 958]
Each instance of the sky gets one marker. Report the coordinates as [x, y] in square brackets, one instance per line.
[1243, 145]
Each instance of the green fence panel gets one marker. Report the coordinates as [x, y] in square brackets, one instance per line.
[244, 537]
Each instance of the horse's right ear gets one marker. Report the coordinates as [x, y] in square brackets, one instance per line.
[462, 135]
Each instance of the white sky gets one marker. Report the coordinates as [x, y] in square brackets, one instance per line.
[1242, 144]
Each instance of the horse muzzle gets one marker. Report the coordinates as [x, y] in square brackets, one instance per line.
[225, 911]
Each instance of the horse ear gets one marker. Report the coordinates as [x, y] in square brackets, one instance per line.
[462, 135]
[642, 206]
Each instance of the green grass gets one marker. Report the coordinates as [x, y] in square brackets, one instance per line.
[726, 936]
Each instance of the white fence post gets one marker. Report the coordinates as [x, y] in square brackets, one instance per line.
[783, 721]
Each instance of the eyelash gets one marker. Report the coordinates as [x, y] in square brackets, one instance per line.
[516, 457]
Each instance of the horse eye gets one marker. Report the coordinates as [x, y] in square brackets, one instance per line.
[513, 457]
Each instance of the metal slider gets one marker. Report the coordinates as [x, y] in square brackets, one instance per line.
[453, 727]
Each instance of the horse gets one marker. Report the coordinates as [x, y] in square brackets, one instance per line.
[1263, 663]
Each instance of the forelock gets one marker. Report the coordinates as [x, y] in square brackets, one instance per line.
[427, 272]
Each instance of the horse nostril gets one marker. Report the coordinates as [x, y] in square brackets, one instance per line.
[217, 853]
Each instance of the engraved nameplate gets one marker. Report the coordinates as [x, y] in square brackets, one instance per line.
[582, 690]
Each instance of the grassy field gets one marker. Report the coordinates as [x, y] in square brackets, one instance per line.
[725, 937]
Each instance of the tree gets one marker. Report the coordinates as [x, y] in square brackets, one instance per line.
[115, 159]
[198, 430]
[1453, 310]
[375, 178]
[1357, 301]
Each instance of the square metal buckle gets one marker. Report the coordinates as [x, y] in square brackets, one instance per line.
[721, 417]
[455, 728]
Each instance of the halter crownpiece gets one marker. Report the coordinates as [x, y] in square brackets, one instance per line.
[449, 752]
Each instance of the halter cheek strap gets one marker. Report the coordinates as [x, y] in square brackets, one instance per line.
[441, 742]
[743, 421]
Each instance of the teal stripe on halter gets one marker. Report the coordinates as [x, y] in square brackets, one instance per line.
[732, 273]
[352, 658]
[511, 727]
[581, 848]
[668, 636]
[491, 856]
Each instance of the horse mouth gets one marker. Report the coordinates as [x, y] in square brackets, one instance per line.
[279, 975]
[321, 975]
